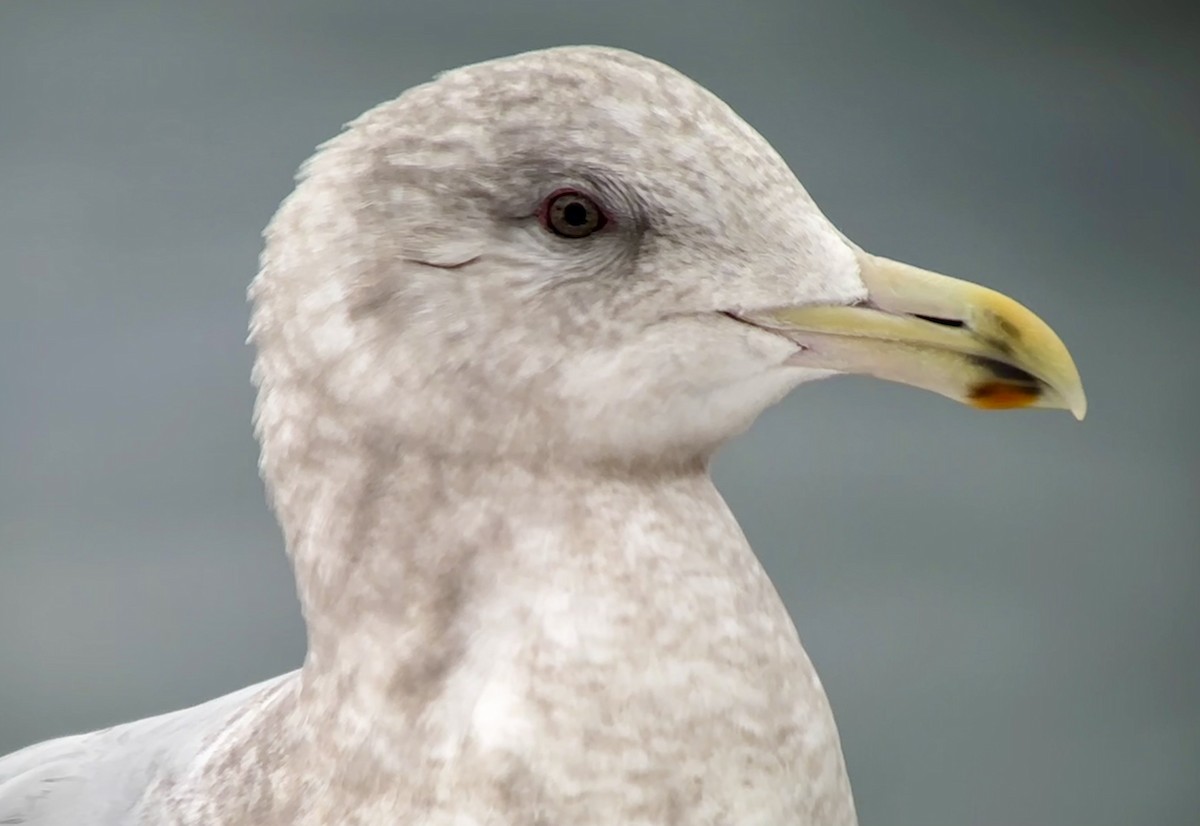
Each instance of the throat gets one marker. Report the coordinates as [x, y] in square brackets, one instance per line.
[403, 564]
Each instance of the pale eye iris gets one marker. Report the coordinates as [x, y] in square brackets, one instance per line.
[572, 214]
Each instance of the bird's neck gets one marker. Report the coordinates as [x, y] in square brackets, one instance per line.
[462, 610]
[403, 556]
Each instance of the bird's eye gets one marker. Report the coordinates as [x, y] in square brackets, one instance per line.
[571, 214]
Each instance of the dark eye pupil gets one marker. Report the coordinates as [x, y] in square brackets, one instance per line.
[572, 214]
[575, 214]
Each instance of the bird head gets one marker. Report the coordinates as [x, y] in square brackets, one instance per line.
[580, 254]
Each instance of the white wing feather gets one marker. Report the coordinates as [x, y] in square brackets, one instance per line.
[100, 778]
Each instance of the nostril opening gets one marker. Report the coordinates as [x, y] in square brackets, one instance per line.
[945, 322]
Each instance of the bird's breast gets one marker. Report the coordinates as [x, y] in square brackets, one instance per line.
[666, 680]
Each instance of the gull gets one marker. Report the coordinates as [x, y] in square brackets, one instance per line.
[502, 324]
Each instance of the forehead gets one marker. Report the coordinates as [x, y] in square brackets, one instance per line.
[615, 95]
[602, 108]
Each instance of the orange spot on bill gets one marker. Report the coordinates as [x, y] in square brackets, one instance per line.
[998, 395]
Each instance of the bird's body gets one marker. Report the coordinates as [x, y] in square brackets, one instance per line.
[502, 325]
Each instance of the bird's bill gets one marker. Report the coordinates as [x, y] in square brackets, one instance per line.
[952, 337]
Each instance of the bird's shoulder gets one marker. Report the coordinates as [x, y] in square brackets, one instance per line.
[101, 777]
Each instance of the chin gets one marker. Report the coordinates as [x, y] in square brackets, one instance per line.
[687, 428]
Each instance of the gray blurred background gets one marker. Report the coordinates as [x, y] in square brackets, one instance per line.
[1004, 608]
